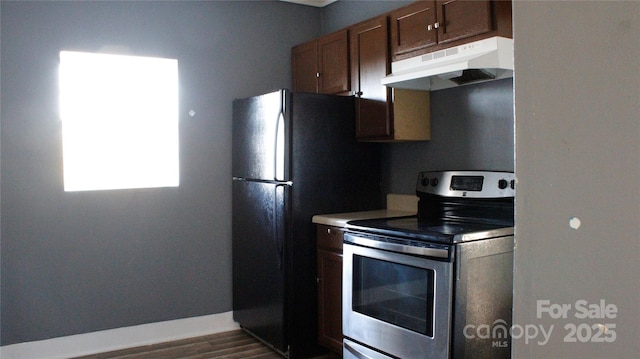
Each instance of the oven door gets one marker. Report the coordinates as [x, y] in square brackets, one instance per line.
[396, 303]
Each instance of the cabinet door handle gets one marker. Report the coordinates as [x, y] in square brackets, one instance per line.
[436, 25]
[317, 75]
[429, 27]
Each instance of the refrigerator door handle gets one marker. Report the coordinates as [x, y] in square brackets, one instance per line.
[278, 229]
[279, 152]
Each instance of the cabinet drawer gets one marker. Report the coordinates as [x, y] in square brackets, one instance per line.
[330, 237]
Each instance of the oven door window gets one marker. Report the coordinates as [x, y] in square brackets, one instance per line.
[395, 293]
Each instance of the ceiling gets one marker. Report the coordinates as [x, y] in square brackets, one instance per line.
[316, 3]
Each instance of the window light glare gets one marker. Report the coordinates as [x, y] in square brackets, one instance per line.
[119, 121]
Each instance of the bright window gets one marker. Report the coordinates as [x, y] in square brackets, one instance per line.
[119, 121]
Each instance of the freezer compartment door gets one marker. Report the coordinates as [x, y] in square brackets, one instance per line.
[261, 133]
[259, 277]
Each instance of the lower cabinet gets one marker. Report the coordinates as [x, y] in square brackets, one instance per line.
[330, 287]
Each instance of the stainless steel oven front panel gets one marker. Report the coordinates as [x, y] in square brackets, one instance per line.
[403, 341]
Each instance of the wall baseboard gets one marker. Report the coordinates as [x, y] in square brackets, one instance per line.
[120, 338]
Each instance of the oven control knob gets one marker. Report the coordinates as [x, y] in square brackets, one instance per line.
[425, 182]
[513, 184]
[434, 182]
[502, 184]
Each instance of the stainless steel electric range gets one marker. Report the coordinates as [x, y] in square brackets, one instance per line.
[435, 285]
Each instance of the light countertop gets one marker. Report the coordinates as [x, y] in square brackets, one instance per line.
[398, 205]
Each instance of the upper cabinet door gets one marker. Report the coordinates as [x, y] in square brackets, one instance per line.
[370, 63]
[322, 65]
[333, 63]
[304, 65]
[459, 19]
[412, 28]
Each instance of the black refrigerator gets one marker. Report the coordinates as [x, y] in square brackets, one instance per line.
[295, 155]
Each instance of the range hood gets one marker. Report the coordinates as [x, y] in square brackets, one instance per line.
[474, 62]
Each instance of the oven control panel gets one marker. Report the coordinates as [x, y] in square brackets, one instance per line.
[472, 184]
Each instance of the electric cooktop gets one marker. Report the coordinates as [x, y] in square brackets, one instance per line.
[443, 231]
[454, 206]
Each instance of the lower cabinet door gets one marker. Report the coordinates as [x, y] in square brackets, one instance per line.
[330, 300]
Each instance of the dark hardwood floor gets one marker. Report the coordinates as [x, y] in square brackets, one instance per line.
[227, 345]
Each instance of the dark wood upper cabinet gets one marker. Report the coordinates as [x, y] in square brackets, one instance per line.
[304, 65]
[370, 62]
[463, 19]
[377, 116]
[410, 30]
[333, 63]
[353, 61]
[322, 65]
[427, 26]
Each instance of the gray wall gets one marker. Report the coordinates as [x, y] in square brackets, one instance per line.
[471, 129]
[577, 96]
[80, 262]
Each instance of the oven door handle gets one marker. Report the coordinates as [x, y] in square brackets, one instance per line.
[430, 251]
